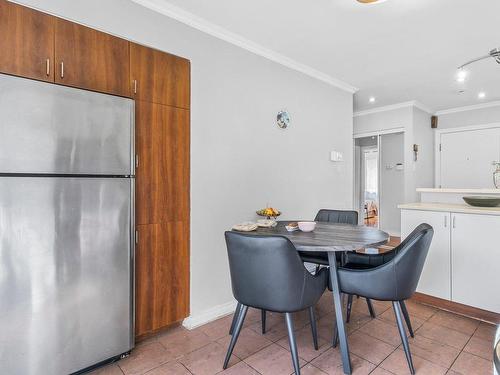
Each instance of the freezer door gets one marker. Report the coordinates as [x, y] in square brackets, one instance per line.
[46, 128]
[66, 280]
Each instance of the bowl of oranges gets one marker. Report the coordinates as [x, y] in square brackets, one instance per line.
[269, 212]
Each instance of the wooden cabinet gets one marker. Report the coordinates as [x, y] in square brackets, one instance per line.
[162, 139]
[162, 275]
[475, 260]
[436, 275]
[159, 77]
[162, 215]
[26, 42]
[89, 59]
[39, 46]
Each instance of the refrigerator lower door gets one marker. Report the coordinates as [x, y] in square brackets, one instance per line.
[66, 273]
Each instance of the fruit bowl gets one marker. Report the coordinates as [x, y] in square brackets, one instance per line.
[269, 212]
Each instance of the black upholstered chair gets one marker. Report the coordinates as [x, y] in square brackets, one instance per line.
[321, 259]
[267, 274]
[329, 216]
[395, 280]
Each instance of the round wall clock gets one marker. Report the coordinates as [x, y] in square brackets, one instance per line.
[283, 119]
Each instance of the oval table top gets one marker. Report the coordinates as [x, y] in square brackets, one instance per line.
[329, 236]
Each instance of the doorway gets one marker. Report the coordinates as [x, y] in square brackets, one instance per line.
[368, 184]
[379, 180]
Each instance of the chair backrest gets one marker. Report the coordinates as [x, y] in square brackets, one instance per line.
[337, 216]
[410, 258]
[266, 271]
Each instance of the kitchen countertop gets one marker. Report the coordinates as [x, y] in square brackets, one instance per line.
[450, 207]
[459, 191]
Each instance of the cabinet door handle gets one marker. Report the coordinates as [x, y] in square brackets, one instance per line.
[454, 222]
[62, 69]
[136, 237]
[135, 86]
[47, 67]
[446, 221]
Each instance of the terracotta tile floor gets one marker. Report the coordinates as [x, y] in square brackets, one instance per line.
[444, 343]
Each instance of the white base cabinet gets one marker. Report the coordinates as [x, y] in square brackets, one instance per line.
[476, 260]
[464, 257]
[436, 275]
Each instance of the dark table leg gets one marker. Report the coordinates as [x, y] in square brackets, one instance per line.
[344, 347]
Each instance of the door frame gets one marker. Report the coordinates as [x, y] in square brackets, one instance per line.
[437, 144]
[357, 187]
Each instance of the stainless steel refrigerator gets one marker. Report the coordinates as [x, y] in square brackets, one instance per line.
[66, 227]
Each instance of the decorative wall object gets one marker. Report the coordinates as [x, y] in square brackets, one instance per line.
[283, 119]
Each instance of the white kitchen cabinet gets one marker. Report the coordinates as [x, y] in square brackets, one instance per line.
[436, 275]
[475, 260]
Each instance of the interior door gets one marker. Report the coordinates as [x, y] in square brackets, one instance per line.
[467, 156]
[436, 275]
[159, 77]
[89, 59]
[65, 273]
[26, 42]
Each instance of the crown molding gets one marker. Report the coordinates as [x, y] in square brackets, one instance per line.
[207, 27]
[391, 107]
[468, 108]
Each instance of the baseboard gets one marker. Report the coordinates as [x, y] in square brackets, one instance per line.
[457, 308]
[209, 315]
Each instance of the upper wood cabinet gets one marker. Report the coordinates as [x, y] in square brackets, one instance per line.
[159, 77]
[90, 59]
[26, 42]
[162, 145]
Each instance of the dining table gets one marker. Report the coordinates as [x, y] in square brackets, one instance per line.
[331, 238]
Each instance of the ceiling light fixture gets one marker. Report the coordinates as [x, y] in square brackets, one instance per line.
[462, 75]
[494, 53]
[371, 100]
[481, 95]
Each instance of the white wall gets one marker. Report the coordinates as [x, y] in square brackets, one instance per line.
[423, 136]
[380, 121]
[240, 160]
[391, 180]
[468, 118]
[417, 130]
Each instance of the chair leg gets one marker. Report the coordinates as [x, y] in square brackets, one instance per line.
[407, 318]
[235, 318]
[263, 319]
[399, 319]
[293, 344]
[370, 308]
[349, 308]
[236, 333]
[314, 329]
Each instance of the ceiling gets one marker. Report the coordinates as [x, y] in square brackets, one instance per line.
[395, 51]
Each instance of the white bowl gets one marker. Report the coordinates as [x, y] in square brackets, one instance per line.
[307, 226]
